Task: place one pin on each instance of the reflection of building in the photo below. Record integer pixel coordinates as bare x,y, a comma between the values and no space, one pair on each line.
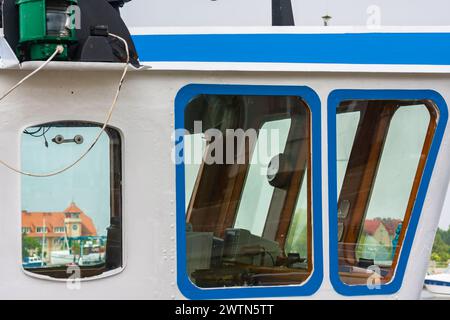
383,231
378,240
377,230
54,227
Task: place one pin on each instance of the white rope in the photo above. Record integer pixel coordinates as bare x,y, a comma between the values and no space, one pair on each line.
59,50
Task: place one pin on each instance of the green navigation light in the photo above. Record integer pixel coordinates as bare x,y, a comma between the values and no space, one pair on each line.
45,24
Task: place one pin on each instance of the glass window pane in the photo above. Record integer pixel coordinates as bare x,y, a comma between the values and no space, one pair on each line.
257,194
248,199
297,240
381,168
71,219
396,173
194,146
347,124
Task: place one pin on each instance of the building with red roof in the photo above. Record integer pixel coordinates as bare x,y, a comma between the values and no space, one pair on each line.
383,231
55,227
371,226
392,226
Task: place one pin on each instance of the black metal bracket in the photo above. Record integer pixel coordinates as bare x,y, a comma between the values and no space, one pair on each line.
282,13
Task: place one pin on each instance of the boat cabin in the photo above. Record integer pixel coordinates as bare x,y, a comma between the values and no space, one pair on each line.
289,162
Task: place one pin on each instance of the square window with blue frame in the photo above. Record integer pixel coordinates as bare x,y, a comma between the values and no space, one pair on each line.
245,191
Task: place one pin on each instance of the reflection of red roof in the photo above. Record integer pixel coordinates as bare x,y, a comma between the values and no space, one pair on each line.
88,226
391,226
53,220
371,226
73,209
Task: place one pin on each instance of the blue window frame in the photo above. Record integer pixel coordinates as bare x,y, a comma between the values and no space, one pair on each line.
191,291
334,101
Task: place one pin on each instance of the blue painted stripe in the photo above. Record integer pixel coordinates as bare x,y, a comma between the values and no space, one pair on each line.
350,48
437,283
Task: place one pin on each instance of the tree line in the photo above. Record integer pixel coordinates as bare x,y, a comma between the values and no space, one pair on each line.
441,247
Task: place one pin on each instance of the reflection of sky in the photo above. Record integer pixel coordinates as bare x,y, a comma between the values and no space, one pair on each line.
87,184
257,194
394,180
399,163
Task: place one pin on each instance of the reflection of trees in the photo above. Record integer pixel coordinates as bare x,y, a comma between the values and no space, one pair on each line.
297,241
76,248
30,246
369,248
380,245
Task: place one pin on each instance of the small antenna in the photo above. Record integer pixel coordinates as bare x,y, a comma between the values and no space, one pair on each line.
326,19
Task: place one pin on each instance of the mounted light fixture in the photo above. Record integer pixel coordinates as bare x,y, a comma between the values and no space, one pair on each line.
45,24
34,29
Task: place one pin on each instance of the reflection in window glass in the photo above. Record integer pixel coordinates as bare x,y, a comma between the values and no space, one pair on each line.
348,124
194,146
254,204
396,173
383,168
255,192
73,218
297,240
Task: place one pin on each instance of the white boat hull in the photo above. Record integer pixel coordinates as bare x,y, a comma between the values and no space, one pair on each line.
438,284
61,258
439,289
92,259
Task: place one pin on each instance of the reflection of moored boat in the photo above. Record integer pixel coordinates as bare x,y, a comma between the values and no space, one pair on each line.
439,283
62,257
92,255
32,262
92,259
